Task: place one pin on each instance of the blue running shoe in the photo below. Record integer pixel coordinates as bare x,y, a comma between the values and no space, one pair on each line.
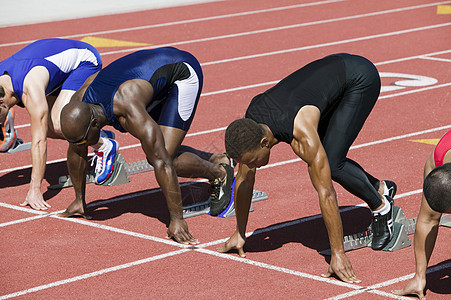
107,134
105,160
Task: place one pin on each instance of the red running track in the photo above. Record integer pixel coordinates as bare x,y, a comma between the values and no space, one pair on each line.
244,47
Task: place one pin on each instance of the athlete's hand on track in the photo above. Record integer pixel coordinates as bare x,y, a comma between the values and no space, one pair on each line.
341,266
234,242
178,230
415,286
35,200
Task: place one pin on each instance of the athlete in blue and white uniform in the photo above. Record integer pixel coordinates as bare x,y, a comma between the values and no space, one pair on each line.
153,95
42,77
68,63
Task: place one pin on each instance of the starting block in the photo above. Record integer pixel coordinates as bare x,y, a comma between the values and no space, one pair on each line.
120,174
19,146
204,207
403,227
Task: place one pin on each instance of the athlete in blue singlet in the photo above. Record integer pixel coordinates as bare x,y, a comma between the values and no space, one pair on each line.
42,77
152,94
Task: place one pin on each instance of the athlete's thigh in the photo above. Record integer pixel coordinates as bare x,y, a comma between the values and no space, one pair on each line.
347,120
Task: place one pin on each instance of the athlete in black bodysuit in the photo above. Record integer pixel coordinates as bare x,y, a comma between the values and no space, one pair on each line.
318,110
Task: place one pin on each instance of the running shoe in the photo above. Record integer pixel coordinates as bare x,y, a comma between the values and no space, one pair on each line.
105,160
383,227
390,188
107,134
221,191
8,135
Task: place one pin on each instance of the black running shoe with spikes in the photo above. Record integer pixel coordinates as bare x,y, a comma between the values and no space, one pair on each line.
221,191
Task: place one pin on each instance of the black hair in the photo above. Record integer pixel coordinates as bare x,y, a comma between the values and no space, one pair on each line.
2,92
241,136
437,188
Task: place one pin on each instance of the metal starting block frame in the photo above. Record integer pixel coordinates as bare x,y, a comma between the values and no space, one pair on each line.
120,174
403,227
204,207
19,146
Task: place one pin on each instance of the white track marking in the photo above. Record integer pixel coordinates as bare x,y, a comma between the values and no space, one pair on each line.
279,269
201,248
93,274
436,59
372,288
428,55
328,44
240,14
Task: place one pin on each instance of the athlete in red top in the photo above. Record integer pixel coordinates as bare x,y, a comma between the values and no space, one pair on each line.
431,210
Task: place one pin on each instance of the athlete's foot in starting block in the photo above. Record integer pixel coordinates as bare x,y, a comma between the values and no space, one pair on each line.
75,209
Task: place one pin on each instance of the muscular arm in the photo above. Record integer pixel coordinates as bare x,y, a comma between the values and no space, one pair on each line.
130,108
244,185
36,104
307,145
426,230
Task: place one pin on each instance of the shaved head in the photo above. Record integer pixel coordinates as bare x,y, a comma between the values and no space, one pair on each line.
75,118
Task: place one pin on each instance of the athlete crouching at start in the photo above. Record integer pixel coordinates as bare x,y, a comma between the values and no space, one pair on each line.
42,77
319,110
153,95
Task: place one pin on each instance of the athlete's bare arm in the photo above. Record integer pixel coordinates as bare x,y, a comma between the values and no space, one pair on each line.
244,186
426,231
130,107
36,104
307,145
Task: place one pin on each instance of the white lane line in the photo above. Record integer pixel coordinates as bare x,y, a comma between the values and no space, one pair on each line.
239,14
272,29
278,269
81,221
229,90
372,288
416,90
399,137
283,162
340,42
436,59
166,241
22,220
123,231
412,57
93,274
199,248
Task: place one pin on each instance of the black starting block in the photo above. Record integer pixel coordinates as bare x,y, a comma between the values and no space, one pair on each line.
403,227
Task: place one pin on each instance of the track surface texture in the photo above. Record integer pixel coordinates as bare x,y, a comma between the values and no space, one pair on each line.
244,47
